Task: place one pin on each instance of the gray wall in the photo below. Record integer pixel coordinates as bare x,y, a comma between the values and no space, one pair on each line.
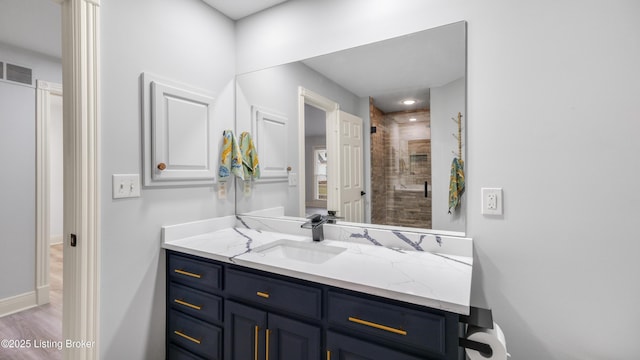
277,89
552,118
18,158
185,41
446,101
17,189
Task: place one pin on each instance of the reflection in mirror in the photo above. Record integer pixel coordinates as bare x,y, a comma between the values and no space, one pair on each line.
368,132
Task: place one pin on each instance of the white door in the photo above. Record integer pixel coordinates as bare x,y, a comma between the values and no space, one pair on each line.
350,164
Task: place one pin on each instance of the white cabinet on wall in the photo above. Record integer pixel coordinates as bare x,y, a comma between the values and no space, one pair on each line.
178,134
270,131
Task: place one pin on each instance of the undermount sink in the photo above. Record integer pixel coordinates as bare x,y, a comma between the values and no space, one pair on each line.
314,253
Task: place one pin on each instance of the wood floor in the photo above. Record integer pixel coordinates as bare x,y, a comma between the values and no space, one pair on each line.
40,326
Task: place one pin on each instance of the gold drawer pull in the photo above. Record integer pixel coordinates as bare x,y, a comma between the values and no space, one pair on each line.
263,294
182,272
180,333
255,347
377,326
328,355
267,346
178,301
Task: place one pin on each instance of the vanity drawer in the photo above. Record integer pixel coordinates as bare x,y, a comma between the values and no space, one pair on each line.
200,274
195,335
419,329
196,303
293,298
177,353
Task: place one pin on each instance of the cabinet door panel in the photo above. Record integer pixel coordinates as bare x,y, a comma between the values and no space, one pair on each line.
348,348
244,332
293,340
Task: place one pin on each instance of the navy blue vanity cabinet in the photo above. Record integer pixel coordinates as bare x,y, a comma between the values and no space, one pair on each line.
251,333
268,324
423,331
343,347
225,311
194,308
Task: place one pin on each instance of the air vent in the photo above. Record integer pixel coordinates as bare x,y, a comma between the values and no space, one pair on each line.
19,74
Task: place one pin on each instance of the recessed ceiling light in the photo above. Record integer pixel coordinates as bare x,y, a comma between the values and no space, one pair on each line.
408,102
413,119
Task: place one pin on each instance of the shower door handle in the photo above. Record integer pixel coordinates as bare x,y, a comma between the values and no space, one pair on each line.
426,189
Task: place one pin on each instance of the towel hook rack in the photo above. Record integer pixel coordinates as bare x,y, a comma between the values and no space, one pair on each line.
459,136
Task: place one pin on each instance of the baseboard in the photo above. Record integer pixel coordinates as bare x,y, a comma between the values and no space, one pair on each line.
42,295
17,303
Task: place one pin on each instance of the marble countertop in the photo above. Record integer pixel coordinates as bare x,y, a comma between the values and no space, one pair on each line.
436,280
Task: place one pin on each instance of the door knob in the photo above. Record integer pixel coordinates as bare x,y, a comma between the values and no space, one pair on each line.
162,166
362,193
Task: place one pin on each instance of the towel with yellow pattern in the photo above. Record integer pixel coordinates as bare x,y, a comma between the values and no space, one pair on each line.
456,183
230,157
250,162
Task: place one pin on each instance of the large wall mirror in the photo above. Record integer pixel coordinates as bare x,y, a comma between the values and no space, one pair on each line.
369,132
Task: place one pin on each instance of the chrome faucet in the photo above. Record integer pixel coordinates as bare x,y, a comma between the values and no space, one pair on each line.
315,224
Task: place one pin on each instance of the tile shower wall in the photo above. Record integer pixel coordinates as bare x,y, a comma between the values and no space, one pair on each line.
401,164
378,168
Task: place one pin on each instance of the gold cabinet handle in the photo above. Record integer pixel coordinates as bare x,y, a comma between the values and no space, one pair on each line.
328,355
182,272
162,166
184,303
377,326
180,333
263,294
255,347
267,346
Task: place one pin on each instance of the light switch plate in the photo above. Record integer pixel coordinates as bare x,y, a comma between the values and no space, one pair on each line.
491,201
126,186
293,179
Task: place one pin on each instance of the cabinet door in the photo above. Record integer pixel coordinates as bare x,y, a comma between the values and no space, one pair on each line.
292,340
341,347
245,329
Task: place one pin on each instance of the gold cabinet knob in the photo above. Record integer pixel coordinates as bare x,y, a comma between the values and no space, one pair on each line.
162,166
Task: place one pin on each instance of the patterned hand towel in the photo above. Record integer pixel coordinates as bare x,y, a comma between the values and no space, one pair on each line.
456,183
230,157
250,162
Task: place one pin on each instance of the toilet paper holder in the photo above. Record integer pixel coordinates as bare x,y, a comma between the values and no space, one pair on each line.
477,318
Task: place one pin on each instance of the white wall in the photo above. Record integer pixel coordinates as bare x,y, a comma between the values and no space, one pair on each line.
276,89
552,118
18,158
17,189
188,42
45,67
446,101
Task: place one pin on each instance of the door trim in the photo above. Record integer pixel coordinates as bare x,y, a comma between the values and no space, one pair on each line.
81,129
44,91
331,109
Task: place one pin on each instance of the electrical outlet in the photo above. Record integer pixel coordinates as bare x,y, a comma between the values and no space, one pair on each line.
491,201
126,186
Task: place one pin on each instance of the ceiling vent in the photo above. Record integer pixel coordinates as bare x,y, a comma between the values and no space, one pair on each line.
19,74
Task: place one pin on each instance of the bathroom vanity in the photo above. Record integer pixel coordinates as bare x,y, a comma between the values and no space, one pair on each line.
235,291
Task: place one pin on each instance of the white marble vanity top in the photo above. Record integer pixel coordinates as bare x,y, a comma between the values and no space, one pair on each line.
428,278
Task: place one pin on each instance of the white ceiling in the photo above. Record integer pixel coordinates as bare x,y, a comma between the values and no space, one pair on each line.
32,24
399,68
237,9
